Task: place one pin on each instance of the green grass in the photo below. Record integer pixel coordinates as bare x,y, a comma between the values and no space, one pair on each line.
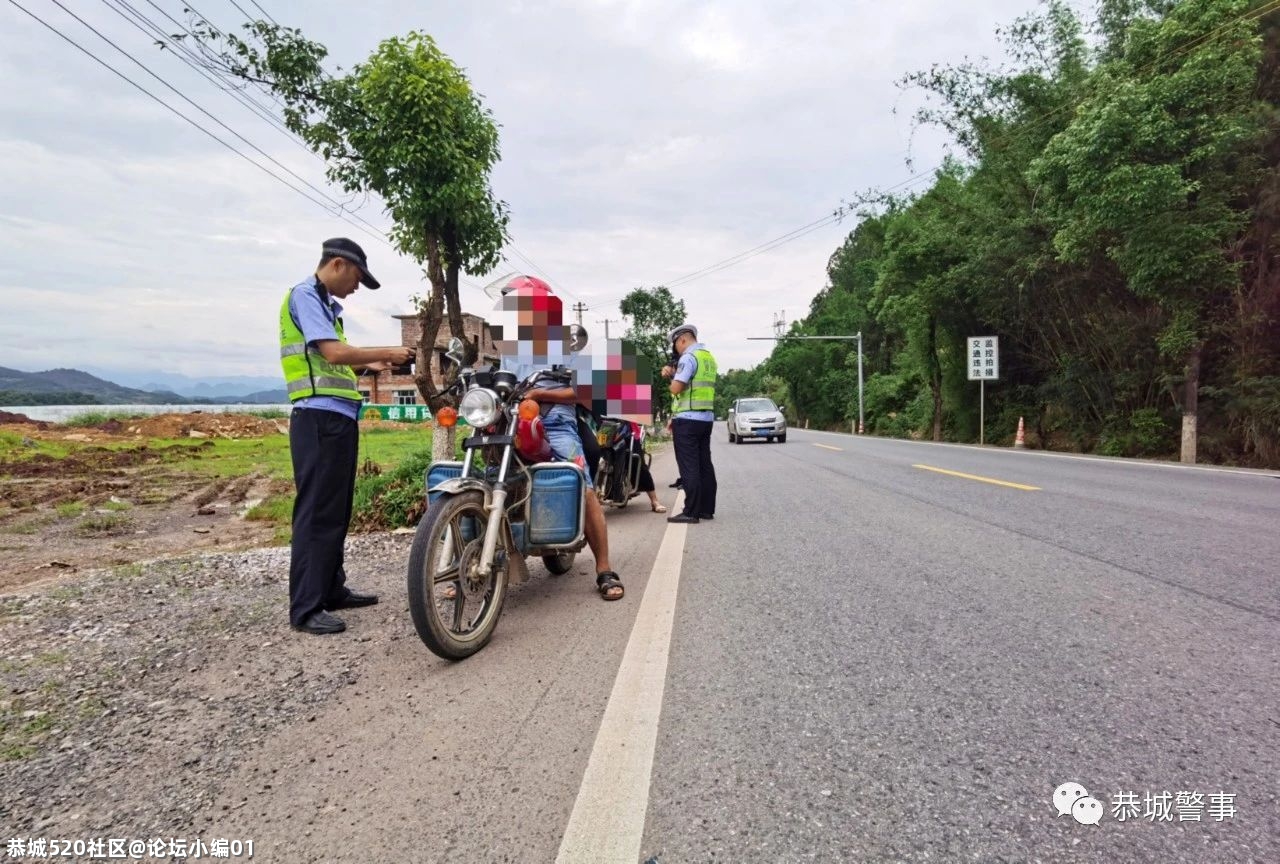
28,526
92,708
70,509
270,456
15,752
17,732
277,508
93,418
383,498
13,450
128,571
104,524
67,592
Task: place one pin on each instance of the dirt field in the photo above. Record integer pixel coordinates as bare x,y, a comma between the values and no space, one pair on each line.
114,494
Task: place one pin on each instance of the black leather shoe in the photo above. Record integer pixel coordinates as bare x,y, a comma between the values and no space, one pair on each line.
321,623
682,519
353,601
675,485
706,516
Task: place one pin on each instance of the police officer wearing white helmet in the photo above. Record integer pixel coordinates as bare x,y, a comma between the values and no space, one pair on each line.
693,391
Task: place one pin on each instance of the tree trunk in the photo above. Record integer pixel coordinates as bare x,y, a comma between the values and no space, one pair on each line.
430,314
453,306
935,379
1190,405
443,442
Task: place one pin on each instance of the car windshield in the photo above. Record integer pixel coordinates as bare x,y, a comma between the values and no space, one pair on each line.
753,406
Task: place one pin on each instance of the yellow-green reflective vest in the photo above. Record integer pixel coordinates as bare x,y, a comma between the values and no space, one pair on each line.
700,395
306,372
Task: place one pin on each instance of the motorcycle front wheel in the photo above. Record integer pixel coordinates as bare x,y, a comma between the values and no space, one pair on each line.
455,607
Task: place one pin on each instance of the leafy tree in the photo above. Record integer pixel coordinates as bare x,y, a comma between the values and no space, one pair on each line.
1154,167
404,125
1111,214
736,384
653,313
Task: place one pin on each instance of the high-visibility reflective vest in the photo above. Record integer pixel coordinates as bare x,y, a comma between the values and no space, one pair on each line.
306,372
700,395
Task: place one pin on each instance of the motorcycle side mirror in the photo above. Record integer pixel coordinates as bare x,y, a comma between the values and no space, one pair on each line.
455,350
577,337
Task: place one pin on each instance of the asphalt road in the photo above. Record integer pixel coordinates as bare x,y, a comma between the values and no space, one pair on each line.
873,661
860,659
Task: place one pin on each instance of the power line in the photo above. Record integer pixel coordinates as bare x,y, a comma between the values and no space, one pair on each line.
539,270
341,213
246,15
182,116
143,23
265,12
190,7
211,116
523,257
843,210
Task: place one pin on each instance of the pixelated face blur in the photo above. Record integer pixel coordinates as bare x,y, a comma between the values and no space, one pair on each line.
616,381
532,327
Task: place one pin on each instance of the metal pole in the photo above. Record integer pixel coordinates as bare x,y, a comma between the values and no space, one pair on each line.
860,426
982,410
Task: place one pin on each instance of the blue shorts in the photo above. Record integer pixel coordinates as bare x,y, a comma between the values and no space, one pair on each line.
566,445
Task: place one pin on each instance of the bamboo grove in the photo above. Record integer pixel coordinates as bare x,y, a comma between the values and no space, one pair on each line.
1109,211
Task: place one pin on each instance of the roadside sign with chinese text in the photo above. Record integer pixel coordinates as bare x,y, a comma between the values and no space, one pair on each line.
401,413
984,358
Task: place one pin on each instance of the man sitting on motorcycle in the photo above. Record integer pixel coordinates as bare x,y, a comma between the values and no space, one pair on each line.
543,341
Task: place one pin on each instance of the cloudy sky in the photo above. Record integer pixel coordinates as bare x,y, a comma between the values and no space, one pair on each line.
642,141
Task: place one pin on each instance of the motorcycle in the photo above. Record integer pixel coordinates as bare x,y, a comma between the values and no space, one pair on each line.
622,459
506,501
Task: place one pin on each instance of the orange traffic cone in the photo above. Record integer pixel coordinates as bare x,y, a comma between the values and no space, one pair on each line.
1020,443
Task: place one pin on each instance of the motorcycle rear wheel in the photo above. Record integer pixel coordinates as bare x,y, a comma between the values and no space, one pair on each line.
446,552
560,564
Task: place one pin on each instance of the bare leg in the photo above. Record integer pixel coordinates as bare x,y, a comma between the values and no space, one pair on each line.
597,533
610,586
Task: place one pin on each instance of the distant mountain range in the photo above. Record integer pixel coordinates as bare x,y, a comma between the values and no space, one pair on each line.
72,386
228,386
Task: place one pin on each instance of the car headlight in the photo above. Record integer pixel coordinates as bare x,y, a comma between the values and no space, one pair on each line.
479,407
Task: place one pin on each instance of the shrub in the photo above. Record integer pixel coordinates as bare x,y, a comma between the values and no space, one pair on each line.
392,499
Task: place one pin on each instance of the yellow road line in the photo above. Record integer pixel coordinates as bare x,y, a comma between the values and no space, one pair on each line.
829,447
979,479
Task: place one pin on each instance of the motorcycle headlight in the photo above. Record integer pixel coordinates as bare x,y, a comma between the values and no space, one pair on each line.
479,407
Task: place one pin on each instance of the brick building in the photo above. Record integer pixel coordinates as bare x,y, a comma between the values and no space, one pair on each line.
386,388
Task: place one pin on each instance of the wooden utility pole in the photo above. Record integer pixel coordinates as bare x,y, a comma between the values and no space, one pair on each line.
606,322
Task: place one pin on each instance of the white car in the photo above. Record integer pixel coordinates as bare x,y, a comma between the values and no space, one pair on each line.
756,417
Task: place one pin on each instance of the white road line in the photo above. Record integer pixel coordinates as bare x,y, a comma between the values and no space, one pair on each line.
1053,454
607,823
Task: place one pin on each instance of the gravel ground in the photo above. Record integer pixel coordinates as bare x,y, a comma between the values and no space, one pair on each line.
130,694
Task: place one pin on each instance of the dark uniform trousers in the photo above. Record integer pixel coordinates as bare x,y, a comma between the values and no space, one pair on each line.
693,455
324,446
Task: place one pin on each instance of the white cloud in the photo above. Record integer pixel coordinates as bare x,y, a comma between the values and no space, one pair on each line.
641,141
711,40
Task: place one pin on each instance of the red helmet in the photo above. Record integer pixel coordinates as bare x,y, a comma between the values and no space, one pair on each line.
527,285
